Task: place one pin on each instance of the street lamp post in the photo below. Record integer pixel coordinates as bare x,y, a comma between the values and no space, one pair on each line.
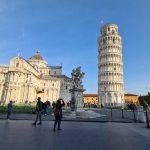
105,94
29,82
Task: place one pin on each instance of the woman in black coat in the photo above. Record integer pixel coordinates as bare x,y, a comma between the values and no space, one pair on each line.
58,113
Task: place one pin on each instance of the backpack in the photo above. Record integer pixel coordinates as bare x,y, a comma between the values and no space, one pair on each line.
43,106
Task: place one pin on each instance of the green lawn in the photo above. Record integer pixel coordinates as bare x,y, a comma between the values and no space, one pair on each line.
27,109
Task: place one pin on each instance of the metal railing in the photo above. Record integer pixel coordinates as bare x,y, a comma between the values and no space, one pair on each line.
127,114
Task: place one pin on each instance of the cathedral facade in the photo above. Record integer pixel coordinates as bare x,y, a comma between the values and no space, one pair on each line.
22,81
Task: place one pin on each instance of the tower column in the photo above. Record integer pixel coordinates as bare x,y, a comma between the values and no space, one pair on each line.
110,70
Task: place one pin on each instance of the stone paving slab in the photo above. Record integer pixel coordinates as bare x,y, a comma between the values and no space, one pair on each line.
21,135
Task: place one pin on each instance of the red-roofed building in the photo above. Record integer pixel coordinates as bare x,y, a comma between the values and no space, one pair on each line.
131,98
90,99
93,98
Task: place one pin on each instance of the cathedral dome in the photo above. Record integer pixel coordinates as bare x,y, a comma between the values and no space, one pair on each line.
37,56
37,60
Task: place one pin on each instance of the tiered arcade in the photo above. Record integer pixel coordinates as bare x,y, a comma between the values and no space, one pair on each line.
110,66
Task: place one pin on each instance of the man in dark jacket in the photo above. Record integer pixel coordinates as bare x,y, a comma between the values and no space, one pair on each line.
9,109
39,111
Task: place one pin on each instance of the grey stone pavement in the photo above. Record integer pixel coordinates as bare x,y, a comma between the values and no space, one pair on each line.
21,135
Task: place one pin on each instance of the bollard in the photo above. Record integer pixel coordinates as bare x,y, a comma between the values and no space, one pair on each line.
147,119
134,115
111,111
122,113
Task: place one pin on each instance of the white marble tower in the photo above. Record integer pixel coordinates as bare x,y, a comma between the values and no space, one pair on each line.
110,67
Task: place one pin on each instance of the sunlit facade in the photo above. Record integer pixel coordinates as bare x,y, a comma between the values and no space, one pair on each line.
22,81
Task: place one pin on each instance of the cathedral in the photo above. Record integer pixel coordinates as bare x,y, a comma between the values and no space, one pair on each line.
22,81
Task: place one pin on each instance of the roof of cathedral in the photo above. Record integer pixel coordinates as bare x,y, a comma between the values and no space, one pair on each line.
90,95
27,62
130,94
55,67
37,56
62,76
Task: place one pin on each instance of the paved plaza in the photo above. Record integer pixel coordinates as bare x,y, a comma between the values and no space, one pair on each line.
21,135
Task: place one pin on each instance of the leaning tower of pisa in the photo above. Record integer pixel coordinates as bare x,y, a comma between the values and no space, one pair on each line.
110,67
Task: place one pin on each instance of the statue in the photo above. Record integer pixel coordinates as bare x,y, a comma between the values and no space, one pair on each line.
77,89
77,77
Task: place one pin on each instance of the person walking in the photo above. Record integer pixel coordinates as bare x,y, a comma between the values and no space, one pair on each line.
58,114
9,109
39,111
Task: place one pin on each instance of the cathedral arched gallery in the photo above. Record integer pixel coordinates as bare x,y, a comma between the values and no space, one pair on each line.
22,81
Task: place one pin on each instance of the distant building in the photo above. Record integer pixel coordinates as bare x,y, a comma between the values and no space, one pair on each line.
93,98
23,81
131,98
90,99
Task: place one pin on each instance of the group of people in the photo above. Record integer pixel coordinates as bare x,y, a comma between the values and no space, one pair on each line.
131,106
57,108
40,107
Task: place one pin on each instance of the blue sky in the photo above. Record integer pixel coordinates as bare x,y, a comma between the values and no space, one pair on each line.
66,31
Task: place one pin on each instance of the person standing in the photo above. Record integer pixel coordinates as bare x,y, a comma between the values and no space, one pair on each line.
9,109
53,105
39,111
58,114
48,104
